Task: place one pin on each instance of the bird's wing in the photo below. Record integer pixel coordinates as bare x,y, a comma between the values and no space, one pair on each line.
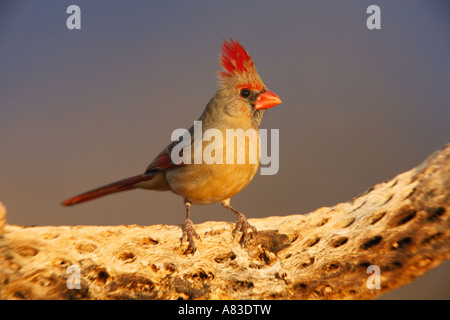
163,160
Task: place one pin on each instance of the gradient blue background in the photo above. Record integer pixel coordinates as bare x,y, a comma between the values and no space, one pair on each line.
81,108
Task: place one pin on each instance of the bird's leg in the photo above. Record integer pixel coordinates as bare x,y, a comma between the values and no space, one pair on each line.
189,230
242,224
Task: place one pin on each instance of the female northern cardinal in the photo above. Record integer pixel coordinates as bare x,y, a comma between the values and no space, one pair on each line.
239,103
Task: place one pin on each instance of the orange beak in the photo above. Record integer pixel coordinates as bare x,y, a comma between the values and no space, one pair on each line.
267,100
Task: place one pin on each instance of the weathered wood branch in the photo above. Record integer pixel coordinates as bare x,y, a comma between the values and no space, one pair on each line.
401,226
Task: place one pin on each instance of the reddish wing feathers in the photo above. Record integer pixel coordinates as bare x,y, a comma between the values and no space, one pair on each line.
234,59
161,162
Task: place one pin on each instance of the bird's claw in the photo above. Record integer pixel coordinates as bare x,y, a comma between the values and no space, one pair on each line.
242,225
189,232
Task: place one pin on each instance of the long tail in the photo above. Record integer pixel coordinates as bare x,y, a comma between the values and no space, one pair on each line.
118,186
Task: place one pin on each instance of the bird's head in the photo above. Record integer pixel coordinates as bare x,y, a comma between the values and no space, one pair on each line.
241,85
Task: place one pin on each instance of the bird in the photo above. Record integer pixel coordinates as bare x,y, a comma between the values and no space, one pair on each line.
239,103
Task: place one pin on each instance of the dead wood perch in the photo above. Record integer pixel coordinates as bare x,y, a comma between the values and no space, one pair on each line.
401,225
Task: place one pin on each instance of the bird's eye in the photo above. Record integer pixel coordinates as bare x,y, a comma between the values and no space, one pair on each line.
245,93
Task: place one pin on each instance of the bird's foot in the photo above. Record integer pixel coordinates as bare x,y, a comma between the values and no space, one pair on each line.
190,233
242,225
